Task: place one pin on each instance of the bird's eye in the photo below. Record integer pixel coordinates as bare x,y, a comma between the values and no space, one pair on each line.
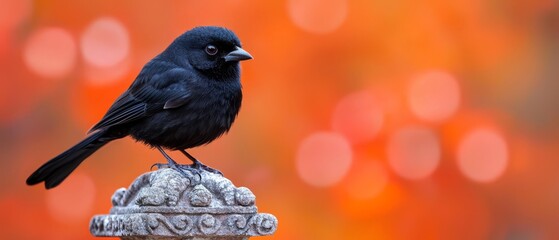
211,50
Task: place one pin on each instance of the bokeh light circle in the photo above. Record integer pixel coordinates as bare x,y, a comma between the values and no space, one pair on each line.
434,96
358,117
318,16
50,52
482,155
367,180
73,199
323,159
414,152
105,42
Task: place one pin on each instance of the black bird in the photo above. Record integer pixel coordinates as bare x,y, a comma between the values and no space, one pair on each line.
186,96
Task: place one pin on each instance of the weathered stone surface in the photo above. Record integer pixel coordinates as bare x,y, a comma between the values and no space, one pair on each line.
164,204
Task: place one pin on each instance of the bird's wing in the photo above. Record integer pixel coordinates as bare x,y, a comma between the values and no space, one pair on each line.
125,109
146,96
171,88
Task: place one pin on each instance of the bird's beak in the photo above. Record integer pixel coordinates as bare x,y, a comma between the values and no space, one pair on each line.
238,54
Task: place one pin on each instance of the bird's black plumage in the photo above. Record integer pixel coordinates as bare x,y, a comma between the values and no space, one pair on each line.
185,97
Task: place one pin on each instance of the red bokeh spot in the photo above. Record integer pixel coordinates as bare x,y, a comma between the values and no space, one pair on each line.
318,16
323,159
105,43
358,117
434,96
414,152
482,155
50,52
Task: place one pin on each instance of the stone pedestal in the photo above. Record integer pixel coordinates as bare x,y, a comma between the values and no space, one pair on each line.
164,204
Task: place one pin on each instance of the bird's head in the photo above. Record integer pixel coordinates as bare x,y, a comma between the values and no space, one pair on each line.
211,50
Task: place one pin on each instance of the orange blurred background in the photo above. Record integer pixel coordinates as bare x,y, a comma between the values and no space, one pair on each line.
361,119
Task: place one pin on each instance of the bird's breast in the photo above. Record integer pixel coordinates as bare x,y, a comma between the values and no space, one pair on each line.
200,121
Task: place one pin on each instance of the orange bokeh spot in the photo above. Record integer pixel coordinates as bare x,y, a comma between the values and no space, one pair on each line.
414,152
318,16
105,43
50,52
323,159
434,96
358,117
482,155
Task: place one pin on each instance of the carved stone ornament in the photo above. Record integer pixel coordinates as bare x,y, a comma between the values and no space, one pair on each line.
164,204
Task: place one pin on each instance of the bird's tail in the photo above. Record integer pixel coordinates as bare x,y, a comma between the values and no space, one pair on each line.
57,169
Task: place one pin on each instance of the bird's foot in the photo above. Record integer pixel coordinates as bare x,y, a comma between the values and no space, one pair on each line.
159,166
182,169
196,167
199,165
202,167
186,170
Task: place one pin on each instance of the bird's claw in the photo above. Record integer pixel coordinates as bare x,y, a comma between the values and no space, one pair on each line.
189,168
209,169
182,169
159,166
196,168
